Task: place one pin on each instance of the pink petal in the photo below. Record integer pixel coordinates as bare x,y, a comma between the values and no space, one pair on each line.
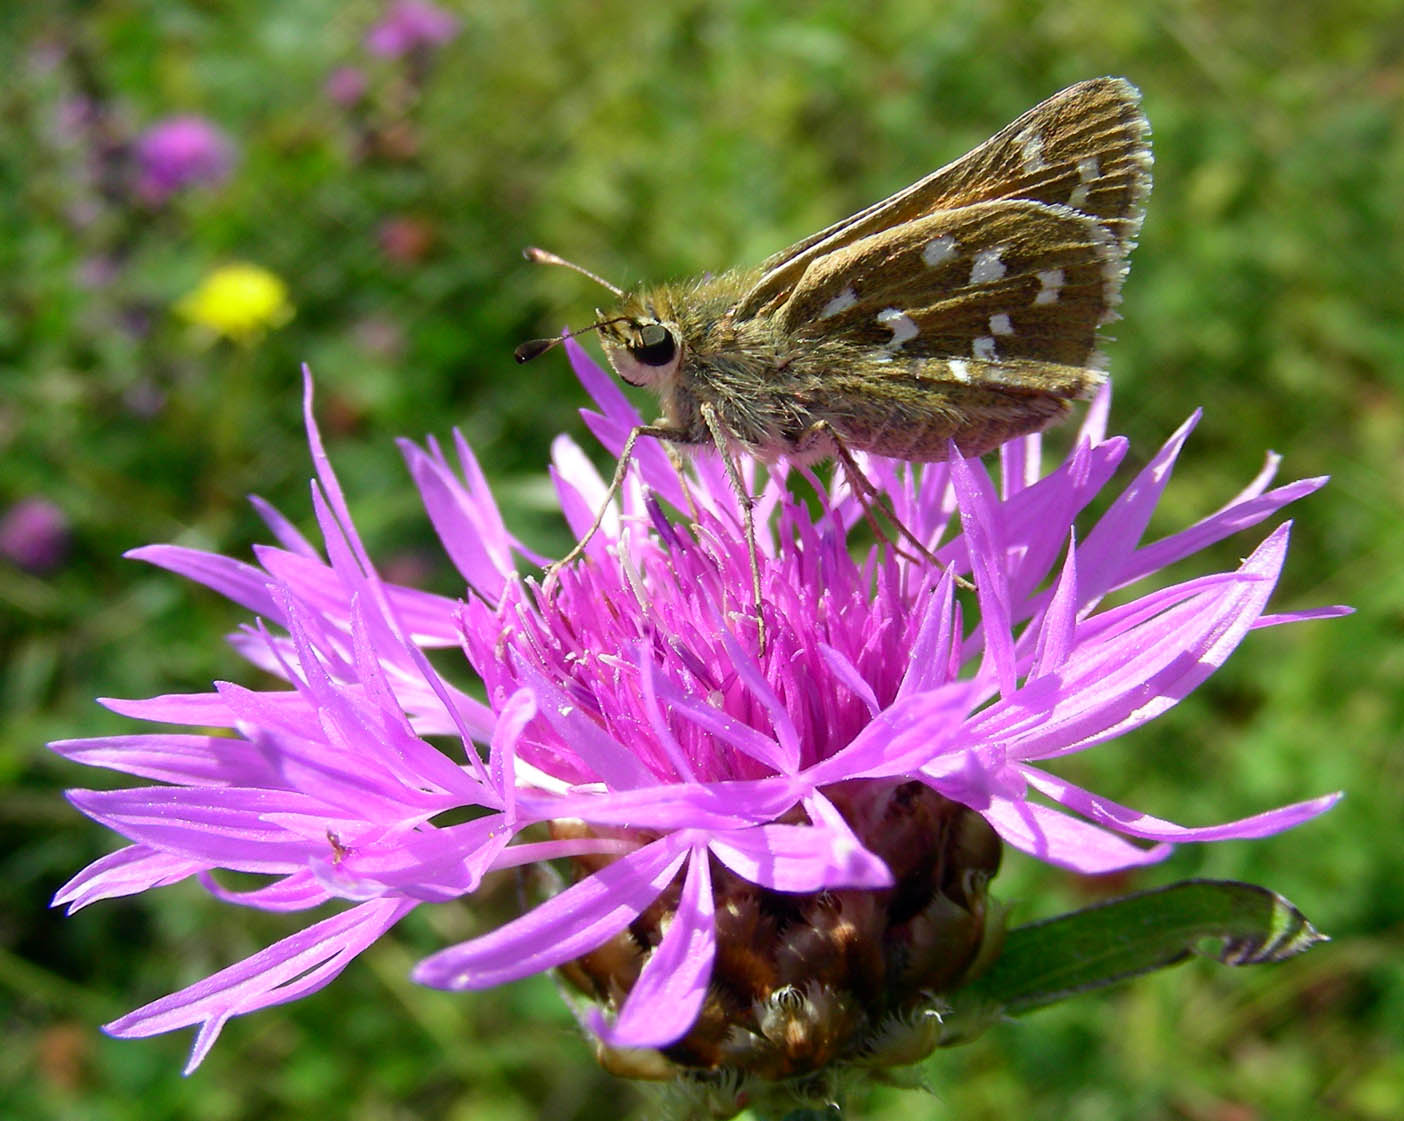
186,760
299,964
799,858
223,827
125,872
1105,812
242,583
1055,838
296,891
569,924
666,998
988,557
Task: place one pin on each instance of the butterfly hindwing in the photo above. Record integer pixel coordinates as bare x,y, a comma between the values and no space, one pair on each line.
999,280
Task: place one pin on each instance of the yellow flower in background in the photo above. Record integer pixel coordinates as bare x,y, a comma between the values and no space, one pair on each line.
238,301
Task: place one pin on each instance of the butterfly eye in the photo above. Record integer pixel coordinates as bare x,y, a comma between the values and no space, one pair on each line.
656,346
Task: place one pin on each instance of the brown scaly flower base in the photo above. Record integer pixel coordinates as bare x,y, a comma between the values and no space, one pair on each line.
802,983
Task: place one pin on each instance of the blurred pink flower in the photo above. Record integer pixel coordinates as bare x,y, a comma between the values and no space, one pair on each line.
181,152
410,25
34,534
346,85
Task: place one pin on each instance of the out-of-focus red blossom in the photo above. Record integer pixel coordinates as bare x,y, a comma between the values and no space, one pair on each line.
405,239
410,25
397,141
178,153
344,415
34,534
63,1055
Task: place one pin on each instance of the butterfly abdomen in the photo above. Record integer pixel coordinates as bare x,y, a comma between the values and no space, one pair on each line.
910,408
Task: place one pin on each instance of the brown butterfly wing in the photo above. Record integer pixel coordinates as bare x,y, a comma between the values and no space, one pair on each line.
1086,148
994,281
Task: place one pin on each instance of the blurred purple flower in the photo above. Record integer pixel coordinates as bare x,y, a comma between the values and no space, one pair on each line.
410,25
73,116
630,708
96,271
34,534
180,152
45,56
379,336
346,85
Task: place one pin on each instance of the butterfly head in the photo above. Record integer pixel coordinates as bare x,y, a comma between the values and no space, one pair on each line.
644,351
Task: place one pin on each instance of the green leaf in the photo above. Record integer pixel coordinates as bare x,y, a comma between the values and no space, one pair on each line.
1044,962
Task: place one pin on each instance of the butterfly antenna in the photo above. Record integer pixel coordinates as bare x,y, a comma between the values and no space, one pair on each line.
542,257
535,348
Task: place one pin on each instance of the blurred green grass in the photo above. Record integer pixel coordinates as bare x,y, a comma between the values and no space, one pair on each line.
654,142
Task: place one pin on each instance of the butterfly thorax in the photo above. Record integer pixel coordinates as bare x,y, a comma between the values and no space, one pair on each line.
685,343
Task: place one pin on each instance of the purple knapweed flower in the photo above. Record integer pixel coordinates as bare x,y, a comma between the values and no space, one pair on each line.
180,152
874,752
410,25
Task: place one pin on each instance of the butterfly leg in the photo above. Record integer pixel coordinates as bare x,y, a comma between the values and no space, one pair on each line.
670,448
748,516
626,455
870,498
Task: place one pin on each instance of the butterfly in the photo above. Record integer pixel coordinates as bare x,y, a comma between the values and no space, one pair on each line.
963,310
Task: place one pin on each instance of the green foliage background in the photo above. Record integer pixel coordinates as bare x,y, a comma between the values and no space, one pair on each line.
653,141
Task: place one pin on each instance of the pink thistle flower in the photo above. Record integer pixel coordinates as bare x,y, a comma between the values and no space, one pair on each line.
408,26
178,153
695,781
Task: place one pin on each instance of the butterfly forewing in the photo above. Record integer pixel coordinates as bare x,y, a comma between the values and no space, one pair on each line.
1086,148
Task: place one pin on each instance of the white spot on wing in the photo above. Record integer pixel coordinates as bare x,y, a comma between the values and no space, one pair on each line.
959,370
984,347
900,323
1051,281
939,250
1000,325
1000,375
1031,150
842,302
987,268
1088,169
